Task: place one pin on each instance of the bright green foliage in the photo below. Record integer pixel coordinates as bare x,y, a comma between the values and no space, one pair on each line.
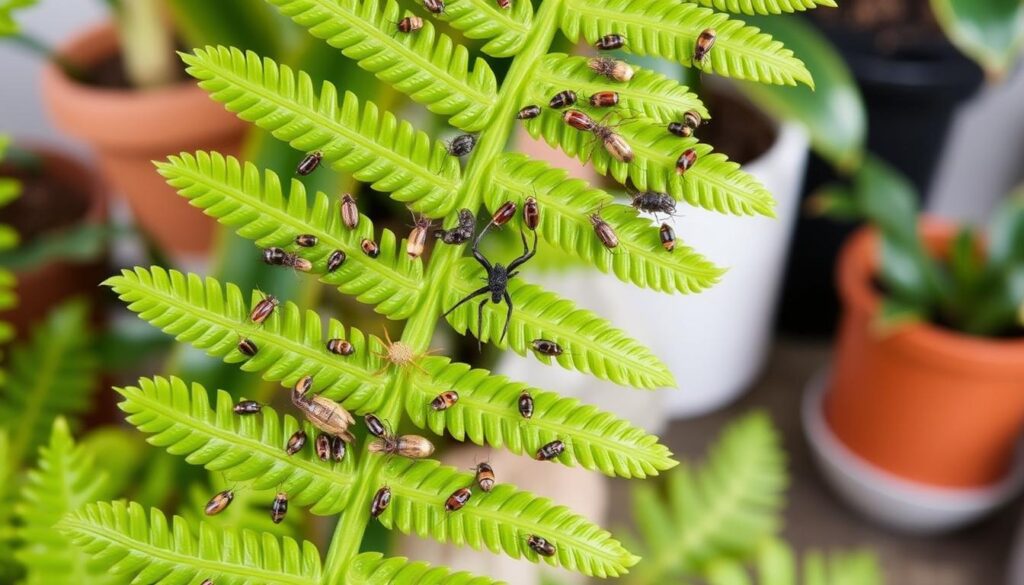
8,568
8,26
374,569
484,19
763,6
991,33
776,564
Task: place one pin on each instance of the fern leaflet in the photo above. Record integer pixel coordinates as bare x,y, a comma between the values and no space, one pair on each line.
776,564
484,19
375,569
763,6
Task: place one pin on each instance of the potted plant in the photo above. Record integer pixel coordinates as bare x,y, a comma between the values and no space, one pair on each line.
925,399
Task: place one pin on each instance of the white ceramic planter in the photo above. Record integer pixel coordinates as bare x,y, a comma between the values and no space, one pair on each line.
714,342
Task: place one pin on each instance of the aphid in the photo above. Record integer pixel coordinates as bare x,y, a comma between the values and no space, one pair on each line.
686,160
540,546
411,446
349,211
263,309
504,4
610,42
654,202
295,442
410,24
462,144
219,503
458,499
528,113
340,347
579,120
604,99
702,47
247,407
550,451
485,476
525,404
668,237
310,163
531,213
336,259
504,213
278,257
279,508
306,240
611,68
546,347
326,414
604,232
380,501
462,231
248,347
563,99
444,400
375,425
337,449
434,6
370,248
417,238
322,444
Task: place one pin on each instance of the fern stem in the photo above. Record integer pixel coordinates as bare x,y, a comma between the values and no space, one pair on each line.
419,330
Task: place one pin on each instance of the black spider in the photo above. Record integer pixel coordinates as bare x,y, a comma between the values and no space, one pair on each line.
497,280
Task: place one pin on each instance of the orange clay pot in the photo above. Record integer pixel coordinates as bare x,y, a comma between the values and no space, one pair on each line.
927,404
129,129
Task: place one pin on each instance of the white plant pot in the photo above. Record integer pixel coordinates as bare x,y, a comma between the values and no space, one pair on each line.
714,342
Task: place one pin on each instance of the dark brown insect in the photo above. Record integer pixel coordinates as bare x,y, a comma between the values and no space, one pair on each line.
485,476
310,163
531,213
610,42
611,68
263,309
375,425
614,144
686,128
370,248
654,202
295,442
337,449
434,6
546,347
247,407
326,414
686,160
462,144
680,129
279,508
219,503
335,260
702,47
604,232
504,213
668,237
692,119
528,113
458,499
550,451
463,230
604,99
444,400
349,211
504,4
306,240
411,446
410,24
525,404
563,99
340,347
248,347
278,257
417,238
579,120
322,444
380,501
540,546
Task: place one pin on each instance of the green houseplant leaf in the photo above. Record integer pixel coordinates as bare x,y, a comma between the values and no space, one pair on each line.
990,32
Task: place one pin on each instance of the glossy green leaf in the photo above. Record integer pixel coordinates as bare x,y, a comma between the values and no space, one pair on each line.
990,32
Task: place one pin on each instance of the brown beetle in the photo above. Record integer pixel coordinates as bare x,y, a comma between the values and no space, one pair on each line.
349,211
263,309
410,24
337,449
411,446
485,476
546,347
563,99
458,499
610,42
540,546
668,237
310,163
686,161
702,47
604,232
278,257
444,400
504,4
504,213
219,503
306,240
531,213
680,129
279,508
462,145
550,451
417,238
528,112
295,442
611,68
325,414
340,347
434,6
207,582
525,404
376,426
335,260
614,144
247,407
604,99
380,501
322,445
370,248
248,347
579,120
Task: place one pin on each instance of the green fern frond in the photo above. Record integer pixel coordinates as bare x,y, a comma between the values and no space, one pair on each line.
9,568
376,148
52,373
291,345
714,182
776,564
428,67
649,93
128,541
566,205
763,6
500,520
65,480
257,207
484,19
591,344
487,413
668,29
243,448
374,569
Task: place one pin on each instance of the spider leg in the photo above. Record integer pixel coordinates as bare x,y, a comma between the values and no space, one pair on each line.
480,324
476,250
508,316
468,297
527,253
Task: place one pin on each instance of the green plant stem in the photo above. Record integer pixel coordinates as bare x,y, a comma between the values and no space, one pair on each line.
419,330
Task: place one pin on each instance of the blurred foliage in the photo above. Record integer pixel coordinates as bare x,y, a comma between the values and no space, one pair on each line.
989,31
8,26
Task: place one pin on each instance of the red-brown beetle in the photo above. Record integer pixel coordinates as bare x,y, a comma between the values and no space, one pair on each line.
485,476
686,161
550,451
295,442
263,309
279,508
248,347
604,99
528,112
604,232
504,213
219,503
562,99
579,120
370,248
504,4
525,404
610,42
458,499
306,240
668,237
310,163
349,211
322,444
531,213
444,400
340,347
702,47
380,501
410,24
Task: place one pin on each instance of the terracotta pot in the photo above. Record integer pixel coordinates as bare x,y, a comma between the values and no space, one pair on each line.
129,129
924,403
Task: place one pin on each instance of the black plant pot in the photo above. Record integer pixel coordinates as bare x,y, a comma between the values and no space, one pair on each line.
910,96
